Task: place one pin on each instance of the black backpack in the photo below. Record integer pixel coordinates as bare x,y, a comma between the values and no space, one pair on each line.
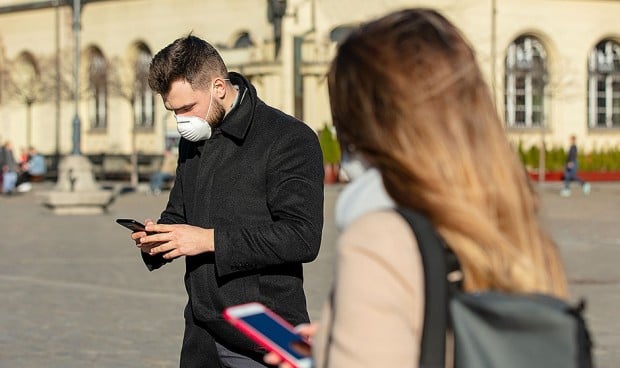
493,329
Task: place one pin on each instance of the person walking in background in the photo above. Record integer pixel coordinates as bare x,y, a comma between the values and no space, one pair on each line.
246,207
165,173
410,103
570,170
9,169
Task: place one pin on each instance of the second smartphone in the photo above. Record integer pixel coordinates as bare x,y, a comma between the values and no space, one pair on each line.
269,330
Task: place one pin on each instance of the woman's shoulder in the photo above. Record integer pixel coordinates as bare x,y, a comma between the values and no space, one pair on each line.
378,231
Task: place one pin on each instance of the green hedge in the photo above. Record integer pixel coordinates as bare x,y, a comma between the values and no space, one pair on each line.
329,146
555,157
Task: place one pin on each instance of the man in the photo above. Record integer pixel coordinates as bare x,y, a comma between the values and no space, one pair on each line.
9,169
570,171
34,170
165,173
246,208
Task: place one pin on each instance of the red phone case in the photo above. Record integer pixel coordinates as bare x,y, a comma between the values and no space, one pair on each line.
260,338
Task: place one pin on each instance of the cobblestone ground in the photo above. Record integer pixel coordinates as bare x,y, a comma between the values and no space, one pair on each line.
74,293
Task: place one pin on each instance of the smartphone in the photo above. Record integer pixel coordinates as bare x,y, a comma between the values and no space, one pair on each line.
131,224
269,330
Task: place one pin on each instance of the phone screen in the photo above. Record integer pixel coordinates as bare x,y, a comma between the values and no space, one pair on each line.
275,332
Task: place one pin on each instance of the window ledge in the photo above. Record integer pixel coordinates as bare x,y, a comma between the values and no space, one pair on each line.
144,129
519,129
600,130
98,130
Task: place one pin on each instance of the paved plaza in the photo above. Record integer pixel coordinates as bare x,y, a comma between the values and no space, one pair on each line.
74,292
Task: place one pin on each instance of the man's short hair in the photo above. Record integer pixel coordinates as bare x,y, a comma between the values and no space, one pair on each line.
189,58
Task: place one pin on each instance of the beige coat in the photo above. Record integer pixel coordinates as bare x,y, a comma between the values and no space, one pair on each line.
375,317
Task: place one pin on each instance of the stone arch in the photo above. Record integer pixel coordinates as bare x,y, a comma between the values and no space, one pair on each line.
603,89
97,69
140,57
526,78
25,78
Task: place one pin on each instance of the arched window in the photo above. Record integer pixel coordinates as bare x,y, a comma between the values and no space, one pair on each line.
25,86
98,89
25,78
526,79
144,99
604,85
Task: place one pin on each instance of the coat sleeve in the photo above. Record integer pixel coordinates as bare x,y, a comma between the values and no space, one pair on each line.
378,296
173,214
294,175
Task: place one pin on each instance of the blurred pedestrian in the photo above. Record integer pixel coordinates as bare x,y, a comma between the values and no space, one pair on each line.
165,173
9,169
570,170
23,159
33,170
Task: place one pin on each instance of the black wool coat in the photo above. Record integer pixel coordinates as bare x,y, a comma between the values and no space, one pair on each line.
258,182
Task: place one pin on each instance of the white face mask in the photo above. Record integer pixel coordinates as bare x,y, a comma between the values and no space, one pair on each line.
353,166
194,128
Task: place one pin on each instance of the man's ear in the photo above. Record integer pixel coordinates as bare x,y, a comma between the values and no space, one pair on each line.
219,86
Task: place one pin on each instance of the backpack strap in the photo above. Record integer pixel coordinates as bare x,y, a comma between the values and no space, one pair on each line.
433,349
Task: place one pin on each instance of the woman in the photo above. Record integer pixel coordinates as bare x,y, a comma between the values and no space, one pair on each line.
409,100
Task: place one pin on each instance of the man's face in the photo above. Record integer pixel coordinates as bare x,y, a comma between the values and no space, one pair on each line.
183,100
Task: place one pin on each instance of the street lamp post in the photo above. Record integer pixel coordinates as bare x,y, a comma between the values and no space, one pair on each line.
77,7
76,191
57,81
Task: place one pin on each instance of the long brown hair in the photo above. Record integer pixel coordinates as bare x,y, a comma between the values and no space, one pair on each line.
407,93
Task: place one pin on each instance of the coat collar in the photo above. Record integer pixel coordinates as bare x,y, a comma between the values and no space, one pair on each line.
238,121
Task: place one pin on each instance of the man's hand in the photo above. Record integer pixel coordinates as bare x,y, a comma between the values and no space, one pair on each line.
174,240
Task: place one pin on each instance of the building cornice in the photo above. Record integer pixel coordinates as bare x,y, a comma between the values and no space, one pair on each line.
38,5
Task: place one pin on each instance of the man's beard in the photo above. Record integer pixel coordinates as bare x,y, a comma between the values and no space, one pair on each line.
217,115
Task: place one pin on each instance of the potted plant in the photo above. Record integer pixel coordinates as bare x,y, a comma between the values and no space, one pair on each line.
331,154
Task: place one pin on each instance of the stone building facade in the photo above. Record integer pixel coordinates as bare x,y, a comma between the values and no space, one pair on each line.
553,65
